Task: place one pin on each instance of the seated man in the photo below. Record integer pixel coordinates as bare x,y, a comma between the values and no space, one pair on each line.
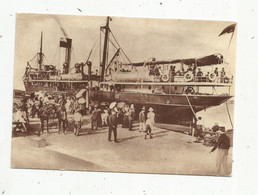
20,118
215,128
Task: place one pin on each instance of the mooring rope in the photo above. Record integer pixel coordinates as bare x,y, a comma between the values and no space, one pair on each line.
191,106
229,115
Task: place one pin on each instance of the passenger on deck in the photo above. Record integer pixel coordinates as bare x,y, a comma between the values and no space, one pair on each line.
207,77
152,72
216,71
172,73
199,75
157,71
222,75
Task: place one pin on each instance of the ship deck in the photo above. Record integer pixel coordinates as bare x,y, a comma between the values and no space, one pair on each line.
206,84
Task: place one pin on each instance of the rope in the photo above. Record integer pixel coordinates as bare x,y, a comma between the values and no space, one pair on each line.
229,115
54,55
33,57
110,40
91,50
191,106
120,47
46,58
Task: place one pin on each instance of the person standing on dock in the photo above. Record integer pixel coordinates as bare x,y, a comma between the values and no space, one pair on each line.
223,145
94,119
148,127
199,129
112,122
151,116
62,120
142,120
77,119
131,117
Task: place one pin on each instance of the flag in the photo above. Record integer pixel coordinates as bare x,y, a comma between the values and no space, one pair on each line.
229,29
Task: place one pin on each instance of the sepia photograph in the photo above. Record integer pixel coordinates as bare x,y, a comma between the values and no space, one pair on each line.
123,94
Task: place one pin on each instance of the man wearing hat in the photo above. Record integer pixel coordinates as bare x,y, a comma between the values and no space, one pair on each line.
151,117
77,119
94,119
131,117
142,119
223,145
112,122
199,75
199,129
62,120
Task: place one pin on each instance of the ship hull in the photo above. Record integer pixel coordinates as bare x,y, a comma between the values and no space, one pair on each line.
169,108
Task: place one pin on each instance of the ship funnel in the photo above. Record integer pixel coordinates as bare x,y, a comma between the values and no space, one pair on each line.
67,44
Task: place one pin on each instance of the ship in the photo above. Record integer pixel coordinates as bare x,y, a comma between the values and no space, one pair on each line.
175,89
48,78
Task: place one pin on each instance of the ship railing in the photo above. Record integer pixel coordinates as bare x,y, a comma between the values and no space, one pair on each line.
211,78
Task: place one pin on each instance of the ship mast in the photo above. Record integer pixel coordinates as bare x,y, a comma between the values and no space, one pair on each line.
40,52
104,59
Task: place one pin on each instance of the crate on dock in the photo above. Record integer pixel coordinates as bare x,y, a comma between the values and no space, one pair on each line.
38,142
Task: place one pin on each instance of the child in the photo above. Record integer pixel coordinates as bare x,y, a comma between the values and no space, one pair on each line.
148,127
77,119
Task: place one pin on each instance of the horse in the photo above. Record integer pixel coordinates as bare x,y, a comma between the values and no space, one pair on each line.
48,111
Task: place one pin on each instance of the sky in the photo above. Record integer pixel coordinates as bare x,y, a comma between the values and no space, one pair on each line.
140,38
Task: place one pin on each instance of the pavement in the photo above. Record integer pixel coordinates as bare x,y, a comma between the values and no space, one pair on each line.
169,152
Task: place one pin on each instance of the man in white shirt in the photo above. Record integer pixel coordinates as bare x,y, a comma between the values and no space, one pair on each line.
77,118
199,128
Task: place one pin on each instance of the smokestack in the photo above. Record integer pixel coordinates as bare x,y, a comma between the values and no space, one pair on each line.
66,43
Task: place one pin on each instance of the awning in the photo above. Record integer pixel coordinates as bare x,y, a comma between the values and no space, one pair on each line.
203,61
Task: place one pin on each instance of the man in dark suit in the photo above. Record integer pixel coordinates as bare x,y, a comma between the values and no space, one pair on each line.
112,121
94,119
131,117
223,145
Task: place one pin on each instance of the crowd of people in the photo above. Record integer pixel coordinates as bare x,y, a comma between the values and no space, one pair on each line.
113,115
29,107
109,115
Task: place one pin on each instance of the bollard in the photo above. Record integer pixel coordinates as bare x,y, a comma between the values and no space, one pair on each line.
38,142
